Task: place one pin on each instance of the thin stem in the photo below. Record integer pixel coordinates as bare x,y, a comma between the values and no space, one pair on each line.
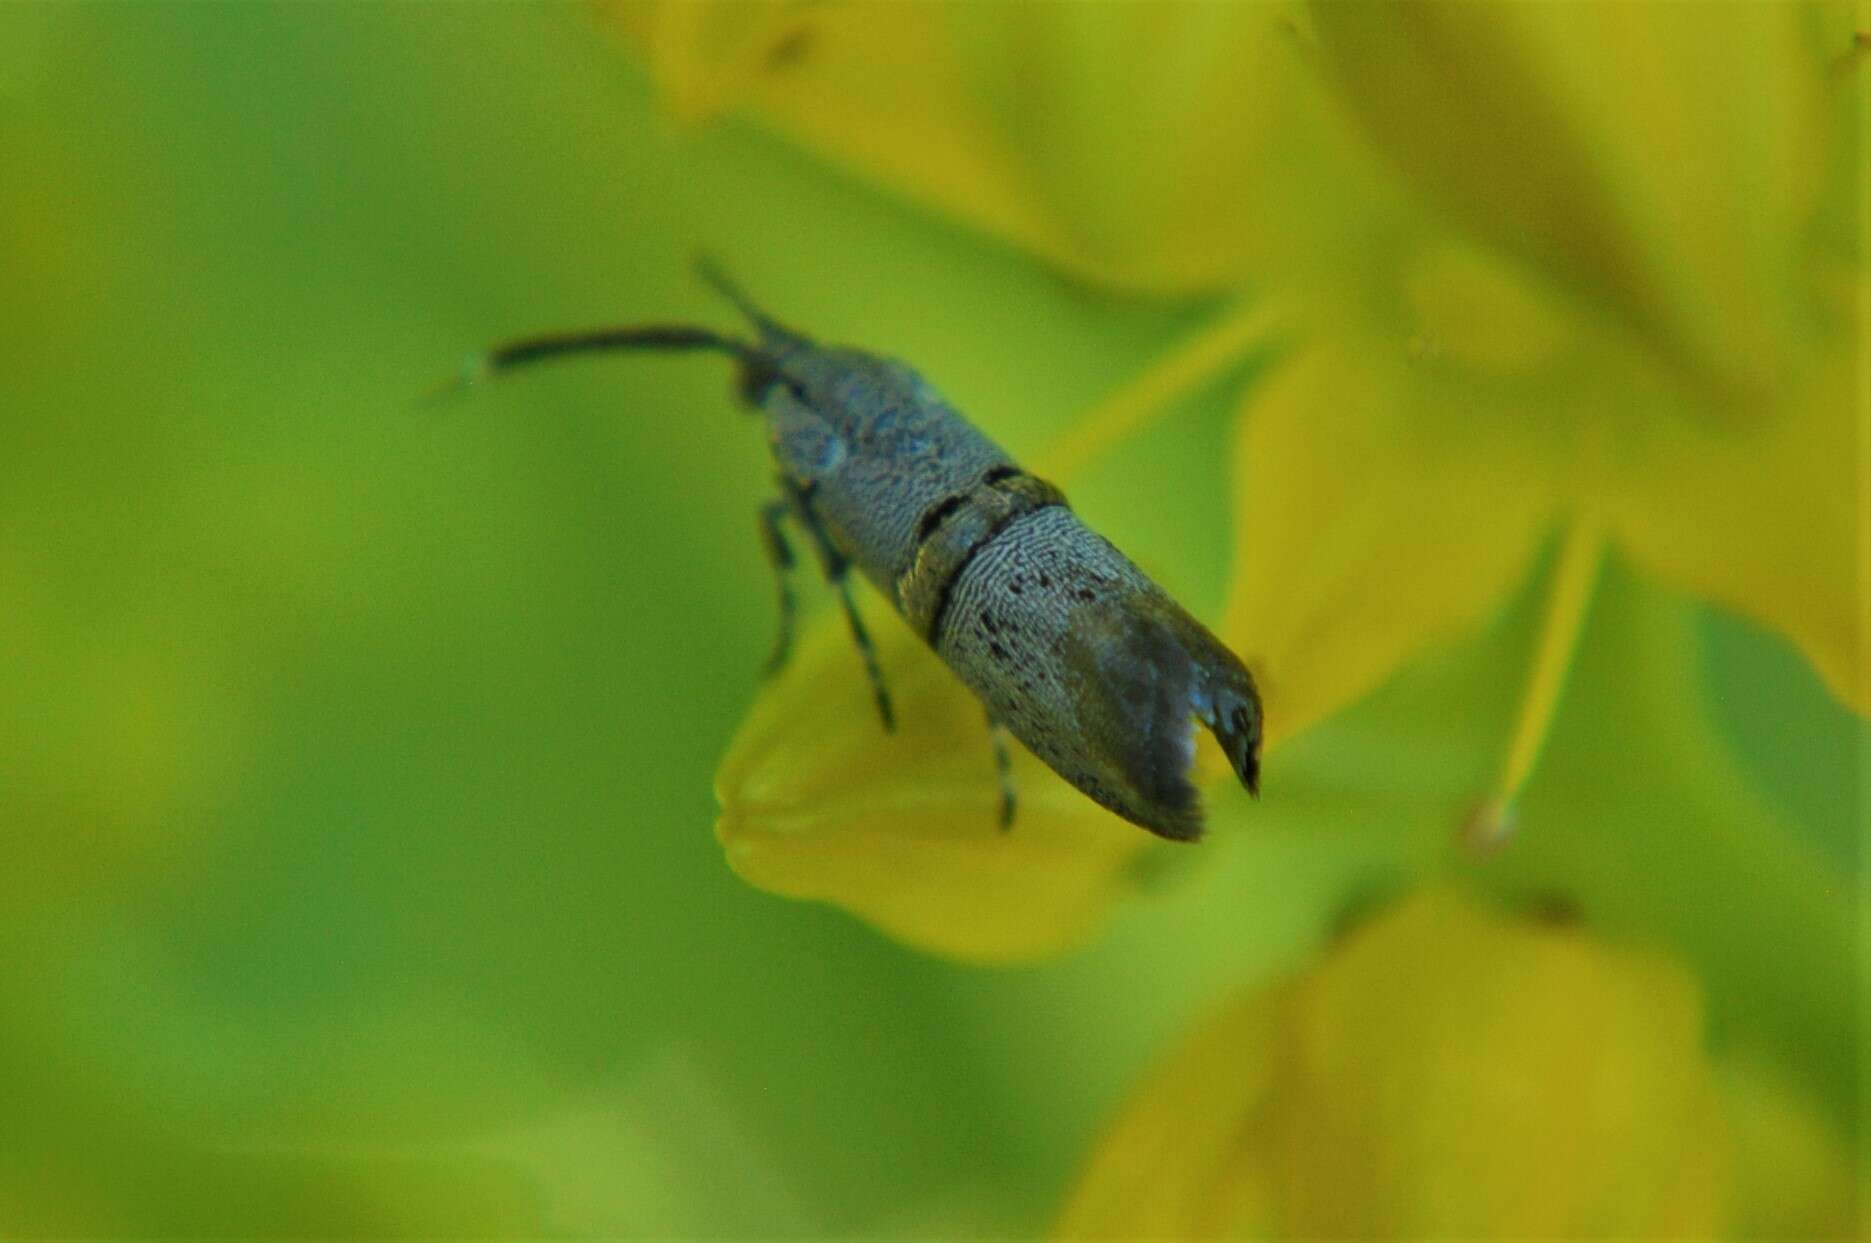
1574,579
1148,397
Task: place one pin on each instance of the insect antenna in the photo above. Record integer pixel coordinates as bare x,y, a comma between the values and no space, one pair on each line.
529,350
711,275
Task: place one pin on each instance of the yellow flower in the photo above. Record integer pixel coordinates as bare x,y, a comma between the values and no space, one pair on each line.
1448,1071
1623,314
1583,275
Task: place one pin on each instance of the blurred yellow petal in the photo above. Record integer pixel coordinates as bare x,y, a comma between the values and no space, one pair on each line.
1795,1177
901,829
1169,147
1160,148
1656,159
1762,518
876,87
1396,475
1523,1080
1371,525
702,57
1445,1071
1171,1166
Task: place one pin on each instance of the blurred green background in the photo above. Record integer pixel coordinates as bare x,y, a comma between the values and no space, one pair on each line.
355,755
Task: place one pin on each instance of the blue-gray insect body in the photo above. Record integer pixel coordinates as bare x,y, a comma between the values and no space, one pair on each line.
1069,645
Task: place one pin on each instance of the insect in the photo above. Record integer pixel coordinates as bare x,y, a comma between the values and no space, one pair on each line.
1067,644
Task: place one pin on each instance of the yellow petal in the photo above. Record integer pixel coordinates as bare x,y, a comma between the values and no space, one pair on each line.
1522,1080
817,801
1762,517
875,87
1445,1071
1795,1178
1373,523
1655,159
1173,1164
1167,147
704,57
1154,147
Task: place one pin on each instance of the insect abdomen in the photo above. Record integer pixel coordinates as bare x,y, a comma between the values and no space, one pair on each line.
1089,664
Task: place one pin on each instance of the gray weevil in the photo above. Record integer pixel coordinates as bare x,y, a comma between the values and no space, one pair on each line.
1067,644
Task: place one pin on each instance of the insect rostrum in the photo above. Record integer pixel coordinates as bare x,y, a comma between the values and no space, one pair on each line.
1068,645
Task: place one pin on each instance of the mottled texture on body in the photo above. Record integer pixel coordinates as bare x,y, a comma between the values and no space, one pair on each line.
955,531
877,445
1088,663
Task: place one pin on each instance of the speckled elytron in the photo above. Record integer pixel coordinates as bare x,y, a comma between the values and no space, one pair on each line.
1070,646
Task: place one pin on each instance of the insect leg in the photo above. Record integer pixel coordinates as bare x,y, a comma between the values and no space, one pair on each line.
869,654
838,574
780,555
770,329
1003,767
